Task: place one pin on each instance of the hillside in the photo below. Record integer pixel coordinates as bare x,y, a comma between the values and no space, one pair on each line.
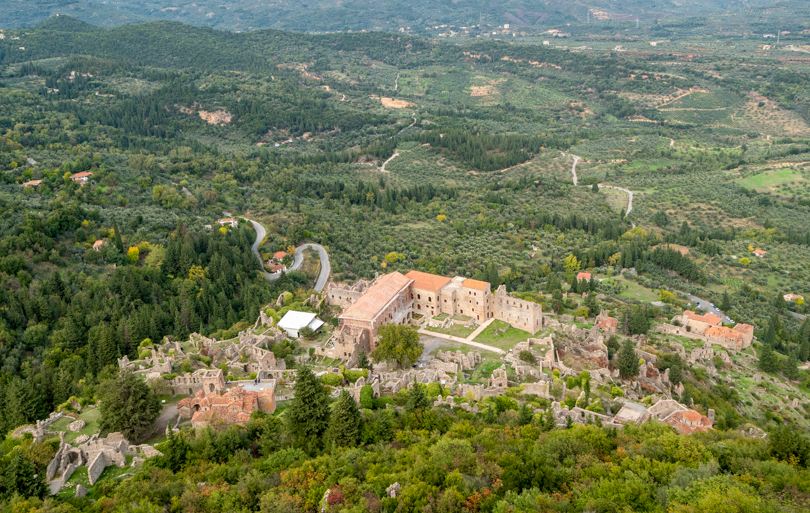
324,15
428,272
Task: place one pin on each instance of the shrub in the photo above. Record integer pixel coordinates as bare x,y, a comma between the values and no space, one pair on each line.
527,356
331,379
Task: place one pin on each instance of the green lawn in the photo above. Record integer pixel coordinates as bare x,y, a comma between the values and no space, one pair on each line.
633,289
495,335
457,330
772,178
90,417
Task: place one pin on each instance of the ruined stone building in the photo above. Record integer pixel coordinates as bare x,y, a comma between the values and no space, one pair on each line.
709,328
208,380
232,407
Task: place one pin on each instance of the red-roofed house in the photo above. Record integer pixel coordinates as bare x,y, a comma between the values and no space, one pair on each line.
97,245
688,422
747,332
584,275
760,253
230,221
81,178
699,323
279,255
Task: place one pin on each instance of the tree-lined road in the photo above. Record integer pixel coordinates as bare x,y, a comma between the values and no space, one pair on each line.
298,258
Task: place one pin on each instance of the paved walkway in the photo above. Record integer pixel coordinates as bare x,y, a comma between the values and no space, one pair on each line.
479,329
469,340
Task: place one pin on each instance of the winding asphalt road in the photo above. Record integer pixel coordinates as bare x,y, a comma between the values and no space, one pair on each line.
298,258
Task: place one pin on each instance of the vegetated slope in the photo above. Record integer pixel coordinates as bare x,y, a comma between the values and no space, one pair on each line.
324,15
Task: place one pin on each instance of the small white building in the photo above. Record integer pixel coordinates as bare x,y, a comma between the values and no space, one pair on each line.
293,322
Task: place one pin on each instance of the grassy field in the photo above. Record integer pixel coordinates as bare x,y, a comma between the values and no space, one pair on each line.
457,330
91,419
773,179
633,289
500,334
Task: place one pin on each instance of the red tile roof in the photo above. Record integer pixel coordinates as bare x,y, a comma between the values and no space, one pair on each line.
708,318
81,175
427,281
722,332
377,297
475,284
744,328
583,276
279,254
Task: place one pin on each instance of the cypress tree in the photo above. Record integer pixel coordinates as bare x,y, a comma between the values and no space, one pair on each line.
804,341
345,423
790,367
525,416
770,336
417,398
308,413
119,243
768,361
725,304
628,361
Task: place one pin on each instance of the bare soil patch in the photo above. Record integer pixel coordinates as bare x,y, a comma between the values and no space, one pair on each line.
391,103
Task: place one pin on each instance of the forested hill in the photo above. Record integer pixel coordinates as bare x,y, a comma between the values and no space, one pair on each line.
324,15
175,45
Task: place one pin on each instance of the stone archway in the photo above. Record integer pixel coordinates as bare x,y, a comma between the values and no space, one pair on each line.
211,388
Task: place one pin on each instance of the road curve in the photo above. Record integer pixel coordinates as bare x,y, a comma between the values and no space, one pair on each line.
629,193
298,257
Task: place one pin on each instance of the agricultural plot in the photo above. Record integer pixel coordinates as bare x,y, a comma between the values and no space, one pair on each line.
786,181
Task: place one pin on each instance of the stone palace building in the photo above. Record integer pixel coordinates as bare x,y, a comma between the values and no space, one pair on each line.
395,298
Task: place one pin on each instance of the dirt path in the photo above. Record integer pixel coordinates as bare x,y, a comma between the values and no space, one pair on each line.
671,142
392,157
413,115
169,414
396,82
574,168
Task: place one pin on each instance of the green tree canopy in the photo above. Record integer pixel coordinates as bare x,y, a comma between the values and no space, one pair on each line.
398,343
128,406
308,412
628,361
345,424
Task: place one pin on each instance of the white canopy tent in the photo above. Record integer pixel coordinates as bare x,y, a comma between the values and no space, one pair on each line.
293,322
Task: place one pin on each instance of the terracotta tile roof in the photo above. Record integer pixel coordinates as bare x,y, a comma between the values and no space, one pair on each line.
722,332
98,244
226,220
583,276
760,252
475,284
374,300
276,267
279,254
32,183
81,175
708,318
688,422
744,328
427,281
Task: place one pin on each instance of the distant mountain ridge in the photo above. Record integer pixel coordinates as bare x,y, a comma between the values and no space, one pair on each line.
331,15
